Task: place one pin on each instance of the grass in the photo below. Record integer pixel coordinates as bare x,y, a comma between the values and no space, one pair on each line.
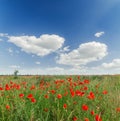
60,98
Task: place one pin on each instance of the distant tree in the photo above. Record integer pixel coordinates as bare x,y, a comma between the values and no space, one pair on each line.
16,74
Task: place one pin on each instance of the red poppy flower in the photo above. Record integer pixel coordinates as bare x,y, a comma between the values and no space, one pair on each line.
21,95
98,118
85,88
72,93
91,95
74,118
92,112
7,87
30,96
1,88
84,107
7,107
65,106
32,87
86,81
33,100
59,96
118,109
86,119
53,91
105,92
46,96
79,93
18,87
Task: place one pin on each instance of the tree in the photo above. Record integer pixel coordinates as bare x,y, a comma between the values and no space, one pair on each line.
16,74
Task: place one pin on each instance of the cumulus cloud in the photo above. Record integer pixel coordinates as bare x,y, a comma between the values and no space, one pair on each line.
115,64
85,53
41,46
98,34
14,66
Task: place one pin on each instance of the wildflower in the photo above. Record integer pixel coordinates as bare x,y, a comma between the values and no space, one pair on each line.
21,95
32,87
33,100
98,118
118,109
46,96
79,93
91,95
92,112
72,93
24,83
85,88
86,119
80,83
1,88
84,107
18,87
7,107
11,82
69,79
65,106
30,96
59,96
7,87
75,84
53,91
74,118
86,81
105,92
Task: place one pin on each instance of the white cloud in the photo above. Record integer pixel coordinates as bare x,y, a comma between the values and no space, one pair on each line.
65,49
41,46
3,34
115,64
37,62
87,52
98,34
14,66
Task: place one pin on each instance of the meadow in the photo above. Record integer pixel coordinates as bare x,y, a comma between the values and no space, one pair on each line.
60,98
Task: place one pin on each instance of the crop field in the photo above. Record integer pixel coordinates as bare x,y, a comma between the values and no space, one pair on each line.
60,98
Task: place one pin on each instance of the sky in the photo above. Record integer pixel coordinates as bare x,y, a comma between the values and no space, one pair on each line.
60,37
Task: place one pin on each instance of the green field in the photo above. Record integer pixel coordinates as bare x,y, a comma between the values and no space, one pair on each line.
60,98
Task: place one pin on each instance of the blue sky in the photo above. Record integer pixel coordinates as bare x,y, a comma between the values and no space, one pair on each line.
60,36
